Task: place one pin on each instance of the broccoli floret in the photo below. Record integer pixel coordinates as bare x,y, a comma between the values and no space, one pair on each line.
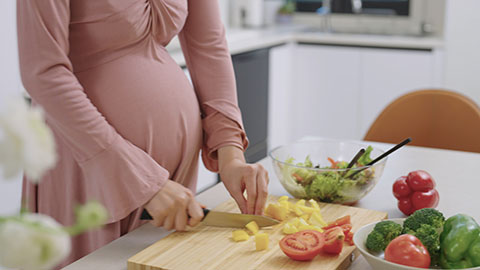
426,224
430,238
375,242
389,229
383,233
427,216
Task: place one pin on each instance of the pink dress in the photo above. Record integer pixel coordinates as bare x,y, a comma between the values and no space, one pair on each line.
124,115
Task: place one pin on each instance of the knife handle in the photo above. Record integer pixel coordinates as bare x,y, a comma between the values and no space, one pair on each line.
146,216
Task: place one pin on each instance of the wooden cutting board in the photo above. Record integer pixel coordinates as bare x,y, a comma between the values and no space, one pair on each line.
205,247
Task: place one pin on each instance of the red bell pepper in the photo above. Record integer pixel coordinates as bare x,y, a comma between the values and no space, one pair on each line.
415,191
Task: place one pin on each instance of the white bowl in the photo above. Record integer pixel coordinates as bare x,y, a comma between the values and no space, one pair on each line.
376,260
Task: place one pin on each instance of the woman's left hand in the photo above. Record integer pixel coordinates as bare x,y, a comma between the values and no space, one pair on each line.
238,176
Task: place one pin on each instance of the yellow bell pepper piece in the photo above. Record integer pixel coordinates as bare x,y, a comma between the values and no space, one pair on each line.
252,226
283,198
317,220
289,228
240,235
314,204
261,241
276,211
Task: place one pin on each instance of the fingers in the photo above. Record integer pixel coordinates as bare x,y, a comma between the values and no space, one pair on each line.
195,212
168,224
181,220
158,219
237,194
169,206
250,179
262,192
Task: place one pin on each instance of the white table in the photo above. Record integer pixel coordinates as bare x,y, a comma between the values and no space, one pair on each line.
458,181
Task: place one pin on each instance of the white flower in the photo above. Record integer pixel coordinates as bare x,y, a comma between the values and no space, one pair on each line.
32,242
26,143
91,215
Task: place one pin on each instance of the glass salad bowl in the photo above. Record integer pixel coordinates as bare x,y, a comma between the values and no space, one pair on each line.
318,170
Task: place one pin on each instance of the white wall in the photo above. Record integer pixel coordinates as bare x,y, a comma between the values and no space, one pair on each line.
462,38
9,85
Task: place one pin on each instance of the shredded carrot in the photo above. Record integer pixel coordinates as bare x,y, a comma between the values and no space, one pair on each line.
334,163
297,177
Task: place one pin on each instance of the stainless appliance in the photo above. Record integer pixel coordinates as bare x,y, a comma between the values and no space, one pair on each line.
247,13
393,17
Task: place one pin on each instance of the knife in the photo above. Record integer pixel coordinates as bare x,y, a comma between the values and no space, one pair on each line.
224,219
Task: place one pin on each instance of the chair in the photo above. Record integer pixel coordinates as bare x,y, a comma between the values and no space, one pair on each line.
432,118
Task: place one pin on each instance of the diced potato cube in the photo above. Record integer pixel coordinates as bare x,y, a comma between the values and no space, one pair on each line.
317,220
294,208
301,202
252,226
294,221
271,210
285,205
314,204
240,235
276,211
302,221
283,198
305,217
261,241
306,209
289,228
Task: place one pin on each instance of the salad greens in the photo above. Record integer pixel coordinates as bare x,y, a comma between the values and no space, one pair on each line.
331,185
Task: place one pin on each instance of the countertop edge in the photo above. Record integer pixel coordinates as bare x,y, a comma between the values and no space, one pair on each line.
265,38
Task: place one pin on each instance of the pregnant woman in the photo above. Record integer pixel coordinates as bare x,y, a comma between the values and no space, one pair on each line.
128,124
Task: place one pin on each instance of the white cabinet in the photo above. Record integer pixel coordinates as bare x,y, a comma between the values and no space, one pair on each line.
279,95
338,91
325,98
387,74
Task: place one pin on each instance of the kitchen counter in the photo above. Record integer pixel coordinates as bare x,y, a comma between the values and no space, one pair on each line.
455,173
244,40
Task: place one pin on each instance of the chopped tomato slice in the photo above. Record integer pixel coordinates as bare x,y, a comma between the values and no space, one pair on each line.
339,222
346,228
333,241
302,246
349,238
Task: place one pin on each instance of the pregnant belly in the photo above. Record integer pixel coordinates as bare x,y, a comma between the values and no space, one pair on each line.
149,102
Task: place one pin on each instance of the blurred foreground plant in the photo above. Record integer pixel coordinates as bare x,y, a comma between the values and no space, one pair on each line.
32,241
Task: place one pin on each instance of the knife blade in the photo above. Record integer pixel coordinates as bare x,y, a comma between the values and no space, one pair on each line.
224,219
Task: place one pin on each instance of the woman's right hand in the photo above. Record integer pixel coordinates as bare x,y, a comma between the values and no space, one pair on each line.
172,206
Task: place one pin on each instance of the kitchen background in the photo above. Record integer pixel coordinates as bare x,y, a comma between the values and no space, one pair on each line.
327,71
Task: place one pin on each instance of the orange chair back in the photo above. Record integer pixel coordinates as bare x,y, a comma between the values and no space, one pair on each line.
432,118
